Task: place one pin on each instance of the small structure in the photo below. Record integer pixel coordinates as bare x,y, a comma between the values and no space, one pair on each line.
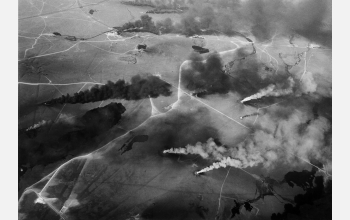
248,39
200,49
141,46
92,11
197,36
112,33
129,59
71,38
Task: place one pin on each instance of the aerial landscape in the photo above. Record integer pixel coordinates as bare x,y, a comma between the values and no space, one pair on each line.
174,109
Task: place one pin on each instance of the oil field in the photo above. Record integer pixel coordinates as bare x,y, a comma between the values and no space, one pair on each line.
175,109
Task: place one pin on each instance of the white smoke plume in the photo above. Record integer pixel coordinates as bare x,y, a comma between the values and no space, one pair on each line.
272,91
67,118
226,161
205,150
38,125
260,94
308,84
294,141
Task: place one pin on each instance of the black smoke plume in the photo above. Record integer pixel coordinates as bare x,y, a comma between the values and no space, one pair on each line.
54,142
207,77
265,18
310,19
144,24
101,119
138,88
318,199
236,209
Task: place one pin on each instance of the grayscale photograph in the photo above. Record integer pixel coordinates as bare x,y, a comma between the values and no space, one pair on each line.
174,109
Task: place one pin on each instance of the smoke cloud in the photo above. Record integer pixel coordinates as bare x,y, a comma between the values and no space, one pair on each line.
205,77
138,88
283,141
264,19
310,18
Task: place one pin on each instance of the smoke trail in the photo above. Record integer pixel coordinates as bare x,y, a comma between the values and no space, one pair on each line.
138,88
245,116
261,93
205,150
271,91
226,161
38,125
